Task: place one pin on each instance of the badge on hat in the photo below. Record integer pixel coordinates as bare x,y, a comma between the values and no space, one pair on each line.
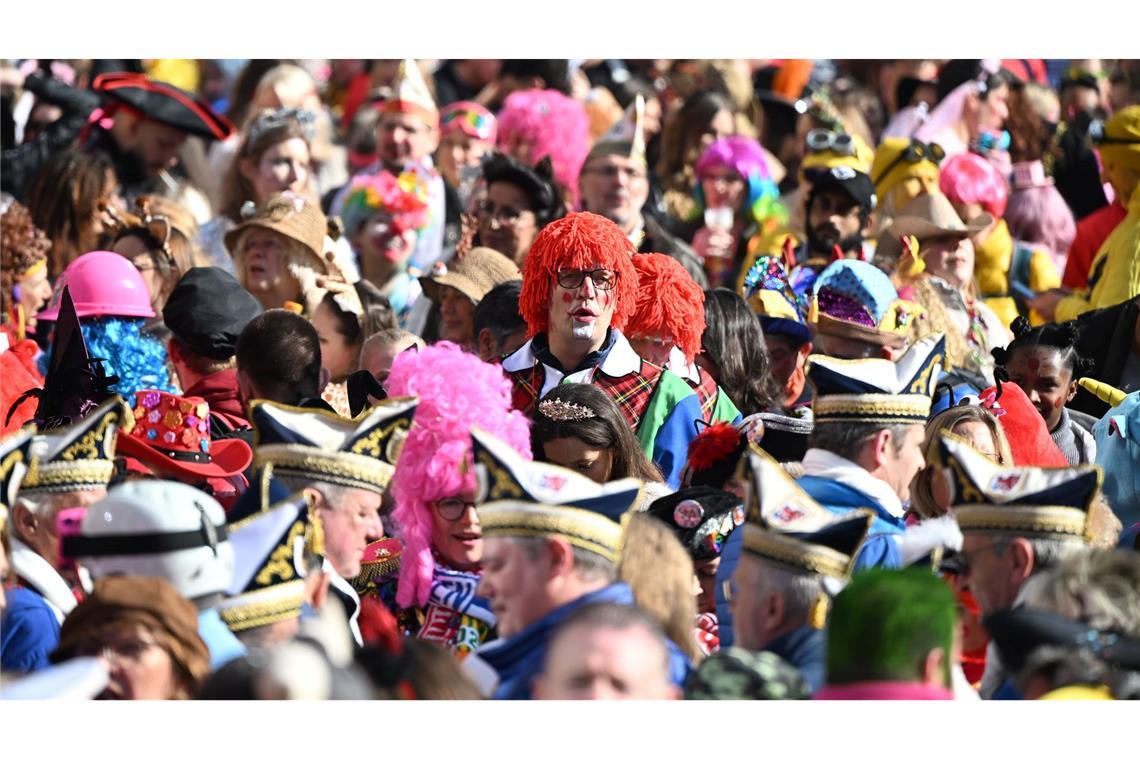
688,513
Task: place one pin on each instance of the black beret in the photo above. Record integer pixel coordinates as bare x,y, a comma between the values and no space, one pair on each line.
702,518
208,309
165,103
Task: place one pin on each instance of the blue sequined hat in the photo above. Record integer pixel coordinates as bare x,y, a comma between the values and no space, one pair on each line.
856,300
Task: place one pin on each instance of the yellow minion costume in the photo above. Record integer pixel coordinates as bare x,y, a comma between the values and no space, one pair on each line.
903,169
1115,273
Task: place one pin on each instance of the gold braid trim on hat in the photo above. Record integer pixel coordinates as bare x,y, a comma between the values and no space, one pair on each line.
871,407
1033,521
336,467
799,555
374,570
263,607
57,477
582,528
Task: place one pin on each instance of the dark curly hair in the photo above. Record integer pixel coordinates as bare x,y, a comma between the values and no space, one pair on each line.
1062,337
22,244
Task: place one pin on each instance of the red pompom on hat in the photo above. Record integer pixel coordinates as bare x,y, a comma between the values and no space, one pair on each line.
1024,427
668,302
579,240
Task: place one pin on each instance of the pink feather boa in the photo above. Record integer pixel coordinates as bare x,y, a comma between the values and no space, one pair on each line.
456,390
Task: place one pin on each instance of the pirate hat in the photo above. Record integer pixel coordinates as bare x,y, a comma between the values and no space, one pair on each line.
165,103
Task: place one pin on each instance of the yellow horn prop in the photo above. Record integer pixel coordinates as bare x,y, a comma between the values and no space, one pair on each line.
1105,392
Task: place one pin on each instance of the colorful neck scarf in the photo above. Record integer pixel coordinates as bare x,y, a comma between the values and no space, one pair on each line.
454,616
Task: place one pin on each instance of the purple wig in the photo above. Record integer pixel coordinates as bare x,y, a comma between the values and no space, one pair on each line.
456,390
1040,216
538,123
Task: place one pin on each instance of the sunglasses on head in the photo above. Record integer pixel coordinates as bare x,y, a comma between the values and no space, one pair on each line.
471,123
823,140
915,152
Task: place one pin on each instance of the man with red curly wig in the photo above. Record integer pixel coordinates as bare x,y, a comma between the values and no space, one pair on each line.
667,326
579,291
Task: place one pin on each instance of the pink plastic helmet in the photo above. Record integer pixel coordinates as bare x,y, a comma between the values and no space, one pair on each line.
103,284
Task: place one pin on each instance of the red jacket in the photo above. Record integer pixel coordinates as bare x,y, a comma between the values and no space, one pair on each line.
220,391
1091,233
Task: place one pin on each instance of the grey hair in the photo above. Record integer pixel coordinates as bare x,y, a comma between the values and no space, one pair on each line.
334,494
589,566
1099,588
616,617
1047,552
846,439
800,591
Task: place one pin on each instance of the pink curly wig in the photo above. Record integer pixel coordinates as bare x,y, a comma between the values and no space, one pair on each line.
1039,215
969,178
456,390
538,123
579,240
669,301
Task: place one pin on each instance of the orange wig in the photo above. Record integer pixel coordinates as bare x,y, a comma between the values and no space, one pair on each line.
668,301
576,241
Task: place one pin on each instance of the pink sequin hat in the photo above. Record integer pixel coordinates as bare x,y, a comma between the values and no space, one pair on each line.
172,435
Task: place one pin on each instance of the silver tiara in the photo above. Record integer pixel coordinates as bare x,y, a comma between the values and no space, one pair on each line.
279,118
564,411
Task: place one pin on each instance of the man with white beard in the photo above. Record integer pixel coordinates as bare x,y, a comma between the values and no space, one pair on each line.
579,290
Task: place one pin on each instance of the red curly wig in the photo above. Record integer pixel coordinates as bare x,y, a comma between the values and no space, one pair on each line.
578,240
668,301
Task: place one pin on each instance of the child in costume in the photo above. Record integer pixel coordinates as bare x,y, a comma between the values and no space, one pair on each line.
667,326
433,596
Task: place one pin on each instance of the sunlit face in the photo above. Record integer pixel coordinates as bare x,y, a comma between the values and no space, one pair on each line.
605,664
652,347
457,150
1049,384
337,355
348,527
402,139
951,258
978,435
723,188
514,583
615,187
575,454
506,221
723,124
378,359
455,533
994,109
834,217
135,250
140,666
264,270
44,540
382,248
456,313
284,166
706,576
35,292
988,573
903,466
582,314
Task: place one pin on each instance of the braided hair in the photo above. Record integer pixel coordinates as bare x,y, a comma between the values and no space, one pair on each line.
1063,337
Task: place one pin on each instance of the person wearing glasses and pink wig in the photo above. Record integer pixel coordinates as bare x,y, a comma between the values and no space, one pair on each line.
434,491
467,134
579,291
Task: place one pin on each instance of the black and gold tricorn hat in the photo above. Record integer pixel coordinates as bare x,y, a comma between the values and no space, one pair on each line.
80,457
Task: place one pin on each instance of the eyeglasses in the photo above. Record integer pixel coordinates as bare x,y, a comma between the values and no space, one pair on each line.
452,509
572,279
824,140
915,152
610,171
505,214
132,649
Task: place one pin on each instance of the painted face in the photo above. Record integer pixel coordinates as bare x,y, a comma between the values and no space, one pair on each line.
583,313
456,313
264,273
653,348
403,139
514,583
337,356
950,258
1049,384
140,667
506,221
455,532
615,187
723,188
783,357
381,248
457,150
349,526
284,166
575,454
604,664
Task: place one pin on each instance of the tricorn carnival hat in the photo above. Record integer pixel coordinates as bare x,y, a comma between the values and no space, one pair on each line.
14,454
877,390
165,103
626,138
1032,502
315,445
523,499
269,564
80,457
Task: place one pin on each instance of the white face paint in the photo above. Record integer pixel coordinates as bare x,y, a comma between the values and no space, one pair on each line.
582,331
